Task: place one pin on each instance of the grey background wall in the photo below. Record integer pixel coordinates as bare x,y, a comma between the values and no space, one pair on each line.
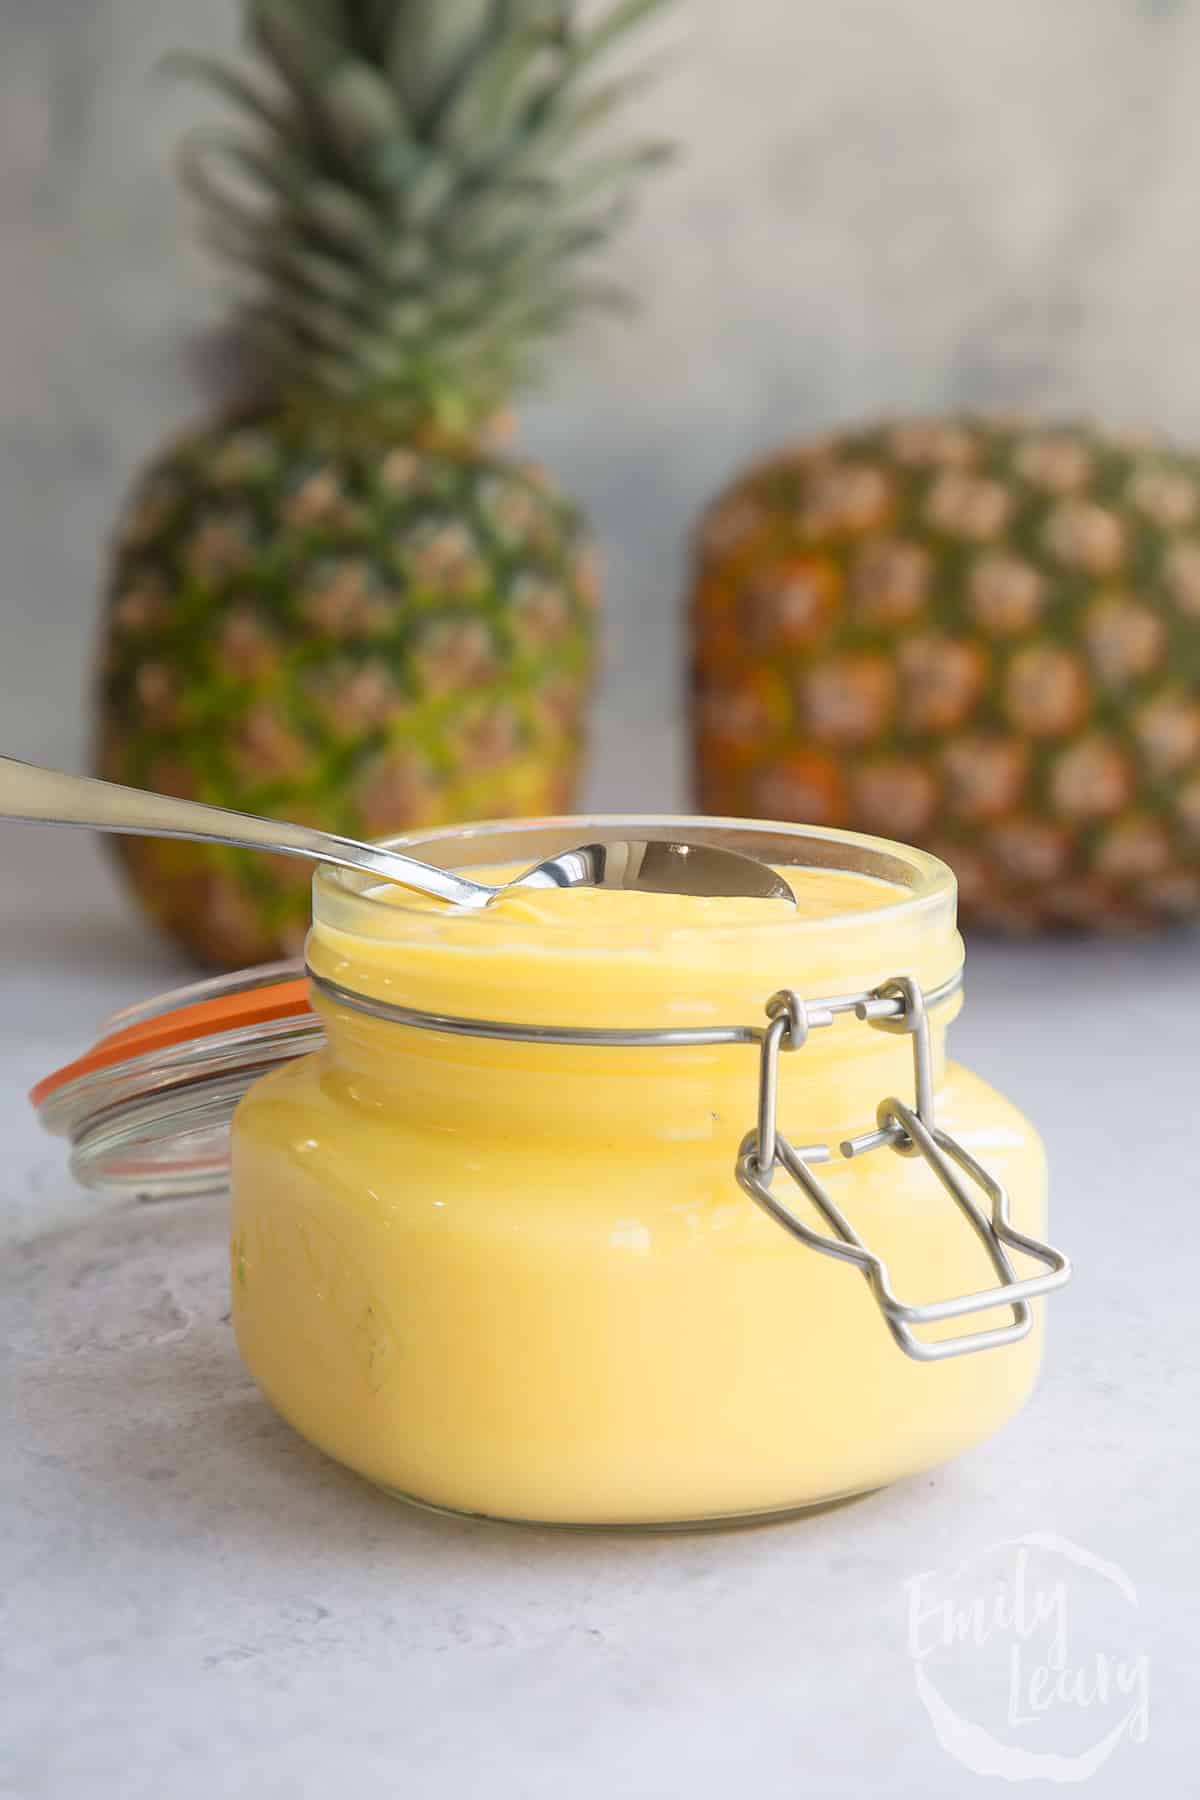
882,206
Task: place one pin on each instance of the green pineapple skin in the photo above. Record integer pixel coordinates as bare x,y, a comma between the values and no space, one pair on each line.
362,638
342,607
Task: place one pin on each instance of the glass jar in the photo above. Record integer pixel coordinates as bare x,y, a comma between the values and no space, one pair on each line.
555,1226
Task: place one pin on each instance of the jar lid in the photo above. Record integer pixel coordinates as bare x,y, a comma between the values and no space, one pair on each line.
147,1108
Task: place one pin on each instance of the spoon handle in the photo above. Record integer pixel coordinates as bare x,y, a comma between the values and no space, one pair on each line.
49,797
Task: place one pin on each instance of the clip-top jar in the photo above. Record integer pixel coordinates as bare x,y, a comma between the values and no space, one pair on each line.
621,1209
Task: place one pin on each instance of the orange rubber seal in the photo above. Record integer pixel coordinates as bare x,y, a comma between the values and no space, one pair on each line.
204,1018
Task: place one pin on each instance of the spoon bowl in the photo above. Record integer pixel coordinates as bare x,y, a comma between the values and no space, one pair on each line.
657,866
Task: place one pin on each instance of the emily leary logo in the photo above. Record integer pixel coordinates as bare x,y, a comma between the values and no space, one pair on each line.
1028,1659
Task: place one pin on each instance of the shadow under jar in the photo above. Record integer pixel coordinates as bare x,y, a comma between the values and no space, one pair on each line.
556,1226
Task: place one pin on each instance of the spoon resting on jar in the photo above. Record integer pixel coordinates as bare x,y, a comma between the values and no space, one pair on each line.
49,797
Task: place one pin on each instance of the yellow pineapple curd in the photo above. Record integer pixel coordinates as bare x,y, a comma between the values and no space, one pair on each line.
520,1278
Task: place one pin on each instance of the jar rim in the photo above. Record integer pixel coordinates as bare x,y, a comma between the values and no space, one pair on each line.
344,899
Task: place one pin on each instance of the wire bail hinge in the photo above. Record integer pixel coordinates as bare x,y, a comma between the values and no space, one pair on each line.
913,1019
898,1005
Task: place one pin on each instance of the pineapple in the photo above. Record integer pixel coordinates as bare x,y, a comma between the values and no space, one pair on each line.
978,634
342,602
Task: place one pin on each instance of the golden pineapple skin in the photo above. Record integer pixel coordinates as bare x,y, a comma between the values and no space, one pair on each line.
362,638
978,634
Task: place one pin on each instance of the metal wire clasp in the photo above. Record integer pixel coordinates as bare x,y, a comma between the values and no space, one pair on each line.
791,1022
879,1011
897,1005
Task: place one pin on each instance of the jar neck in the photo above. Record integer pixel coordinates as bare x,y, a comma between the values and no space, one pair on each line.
491,1090
866,912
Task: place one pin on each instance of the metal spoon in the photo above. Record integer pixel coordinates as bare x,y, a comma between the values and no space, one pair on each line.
51,798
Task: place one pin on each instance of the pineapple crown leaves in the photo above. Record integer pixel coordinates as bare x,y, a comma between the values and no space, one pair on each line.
409,194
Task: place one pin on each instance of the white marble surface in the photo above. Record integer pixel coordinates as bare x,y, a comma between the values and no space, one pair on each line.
197,1604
